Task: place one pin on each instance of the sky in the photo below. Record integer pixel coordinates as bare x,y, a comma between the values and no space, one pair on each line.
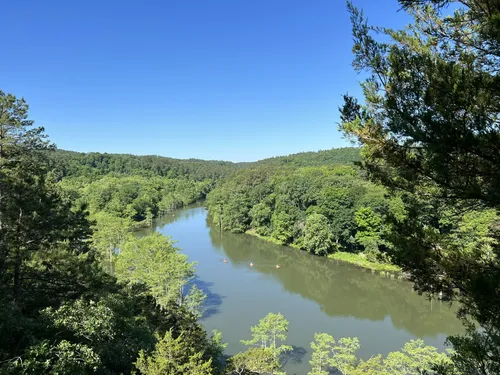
236,80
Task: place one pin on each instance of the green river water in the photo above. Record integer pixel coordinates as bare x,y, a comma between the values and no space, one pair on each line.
315,294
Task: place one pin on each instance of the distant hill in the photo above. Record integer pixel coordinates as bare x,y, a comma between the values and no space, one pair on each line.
346,155
69,163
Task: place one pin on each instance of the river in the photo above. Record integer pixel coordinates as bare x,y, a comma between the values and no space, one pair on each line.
315,294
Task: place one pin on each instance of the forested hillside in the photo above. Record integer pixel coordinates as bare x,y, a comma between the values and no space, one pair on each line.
319,209
345,155
72,164
69,163
140,188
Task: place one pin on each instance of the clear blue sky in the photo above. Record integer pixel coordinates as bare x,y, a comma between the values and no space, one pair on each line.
235,80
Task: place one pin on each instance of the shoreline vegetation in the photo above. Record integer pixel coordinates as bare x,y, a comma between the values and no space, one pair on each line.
358,260
361,261
328,209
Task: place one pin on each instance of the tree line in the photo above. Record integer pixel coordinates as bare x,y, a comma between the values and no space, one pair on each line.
319,209
69,163
94,164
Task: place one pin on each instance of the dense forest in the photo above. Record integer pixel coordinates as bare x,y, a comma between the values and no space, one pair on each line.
319,209
80,294
75,164
69,163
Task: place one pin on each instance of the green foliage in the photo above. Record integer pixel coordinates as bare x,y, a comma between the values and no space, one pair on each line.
267,335
114,328
253,361
369,226
319,209
173,356
109,233
194,301
96,165
155,262
361,260
134,197
44,254
336,156
283,227
321,356
261,218
470,350
414,359
329,354
429,131
62,358
317,237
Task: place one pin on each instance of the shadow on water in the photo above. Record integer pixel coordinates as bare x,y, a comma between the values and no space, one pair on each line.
341,290
294,356
212,301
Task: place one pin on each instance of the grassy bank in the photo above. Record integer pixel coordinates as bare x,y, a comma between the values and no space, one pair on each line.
361,261
356,259
252,232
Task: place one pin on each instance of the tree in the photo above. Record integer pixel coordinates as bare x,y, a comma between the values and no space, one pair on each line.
321,356
173,357
317,236
154,261
430,133
283,226
368,235
329,354
235,213
414,358
268,333
253,361
194,301
44,253
109,233
62,358
261,218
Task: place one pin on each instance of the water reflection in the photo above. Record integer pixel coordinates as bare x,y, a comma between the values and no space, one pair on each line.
212,301
341,290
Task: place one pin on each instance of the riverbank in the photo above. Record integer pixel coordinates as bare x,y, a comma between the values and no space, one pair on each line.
356,259
361,261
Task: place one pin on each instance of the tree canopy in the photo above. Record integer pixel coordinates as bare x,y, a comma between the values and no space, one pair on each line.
429,132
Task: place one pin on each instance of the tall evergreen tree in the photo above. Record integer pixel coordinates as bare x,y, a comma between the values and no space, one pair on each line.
430,130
